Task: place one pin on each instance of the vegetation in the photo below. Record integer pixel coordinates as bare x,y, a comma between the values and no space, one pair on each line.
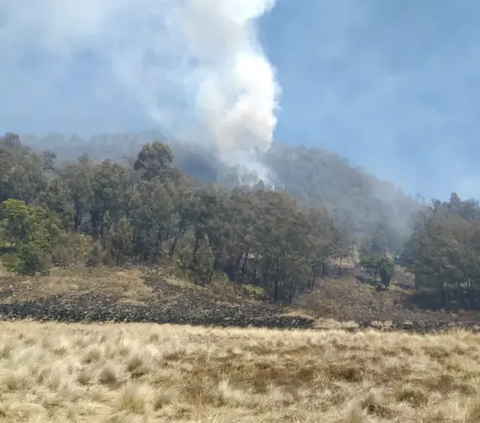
174,219
381,266
365,208
444,252
150,213
32,232
136,373
147,211
360,205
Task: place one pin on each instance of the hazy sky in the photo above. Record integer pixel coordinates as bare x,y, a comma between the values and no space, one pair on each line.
393,85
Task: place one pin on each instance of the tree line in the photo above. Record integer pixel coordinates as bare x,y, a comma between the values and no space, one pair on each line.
150,213
443,252
358,202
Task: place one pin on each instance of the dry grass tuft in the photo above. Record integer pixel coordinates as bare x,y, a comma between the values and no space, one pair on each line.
109,374
52,372
125,285
375,403
473,411
134,398
355,414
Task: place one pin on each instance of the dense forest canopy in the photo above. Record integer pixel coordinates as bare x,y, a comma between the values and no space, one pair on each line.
443,251
156,209
358,203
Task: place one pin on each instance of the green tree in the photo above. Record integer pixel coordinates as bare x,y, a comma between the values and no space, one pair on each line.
202,262
154,160
55,198
151,214
380,265
443,251
119,242
78,179
33,231
386,267
109,187
21,170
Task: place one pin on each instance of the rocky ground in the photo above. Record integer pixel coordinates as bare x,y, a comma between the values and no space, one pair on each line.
157,300
198,311
349,300
128,296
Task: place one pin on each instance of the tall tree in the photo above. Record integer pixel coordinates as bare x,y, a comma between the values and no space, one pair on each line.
154,160
78,178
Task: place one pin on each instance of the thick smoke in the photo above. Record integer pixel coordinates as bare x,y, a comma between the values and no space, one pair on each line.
196,66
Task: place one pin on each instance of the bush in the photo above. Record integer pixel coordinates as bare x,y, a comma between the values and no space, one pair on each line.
10,261
220,284
29,261
184,252
71,249
379,265
96,256
255,291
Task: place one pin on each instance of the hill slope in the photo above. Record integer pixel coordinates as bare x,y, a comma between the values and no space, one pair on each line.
136,295
80,294
359,202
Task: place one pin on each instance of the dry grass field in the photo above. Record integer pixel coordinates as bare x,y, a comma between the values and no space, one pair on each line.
52,372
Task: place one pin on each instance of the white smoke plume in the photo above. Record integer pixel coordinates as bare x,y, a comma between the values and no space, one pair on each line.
196,66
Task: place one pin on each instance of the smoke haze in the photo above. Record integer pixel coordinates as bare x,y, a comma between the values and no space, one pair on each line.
194,66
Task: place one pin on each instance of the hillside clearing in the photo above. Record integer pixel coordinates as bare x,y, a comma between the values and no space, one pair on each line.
51,372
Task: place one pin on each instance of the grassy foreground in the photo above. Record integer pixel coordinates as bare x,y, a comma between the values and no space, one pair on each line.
149,373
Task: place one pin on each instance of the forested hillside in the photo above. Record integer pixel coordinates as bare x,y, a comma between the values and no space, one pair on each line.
444,252
360,204
147,211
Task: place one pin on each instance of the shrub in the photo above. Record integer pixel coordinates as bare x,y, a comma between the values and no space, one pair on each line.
29,260
10,261
96,256
255,291
71,249
33,231
221,285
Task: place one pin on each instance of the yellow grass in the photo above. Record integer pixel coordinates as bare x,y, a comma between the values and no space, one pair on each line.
123,285
127,286
145,373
